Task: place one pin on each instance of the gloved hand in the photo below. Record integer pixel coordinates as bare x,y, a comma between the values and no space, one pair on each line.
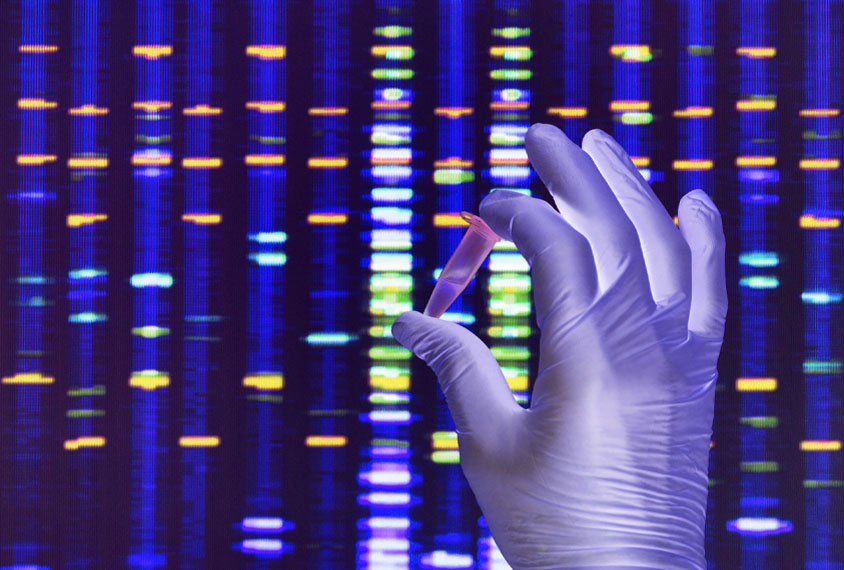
608,466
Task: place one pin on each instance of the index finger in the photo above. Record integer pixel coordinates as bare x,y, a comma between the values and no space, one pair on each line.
563,273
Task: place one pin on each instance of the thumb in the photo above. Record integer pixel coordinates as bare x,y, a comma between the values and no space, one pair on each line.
471,379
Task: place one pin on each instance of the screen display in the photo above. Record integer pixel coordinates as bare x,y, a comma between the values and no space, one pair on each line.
215,209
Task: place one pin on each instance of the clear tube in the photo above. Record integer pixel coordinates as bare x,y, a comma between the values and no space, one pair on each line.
471,252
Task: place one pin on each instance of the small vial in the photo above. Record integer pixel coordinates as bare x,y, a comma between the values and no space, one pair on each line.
471,252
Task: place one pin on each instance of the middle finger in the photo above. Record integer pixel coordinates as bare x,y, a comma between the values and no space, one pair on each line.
589,205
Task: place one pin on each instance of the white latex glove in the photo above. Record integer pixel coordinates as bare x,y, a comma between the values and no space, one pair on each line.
608,466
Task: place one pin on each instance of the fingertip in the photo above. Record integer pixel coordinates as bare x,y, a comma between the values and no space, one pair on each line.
400,325
498,195
536,127
697,205
700,220
593,136
598,143
693,201
544,131
697,194
496,213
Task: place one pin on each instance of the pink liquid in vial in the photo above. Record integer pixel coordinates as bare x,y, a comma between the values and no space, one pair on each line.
471,252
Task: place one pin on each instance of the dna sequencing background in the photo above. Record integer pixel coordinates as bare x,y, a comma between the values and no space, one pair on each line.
213,210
